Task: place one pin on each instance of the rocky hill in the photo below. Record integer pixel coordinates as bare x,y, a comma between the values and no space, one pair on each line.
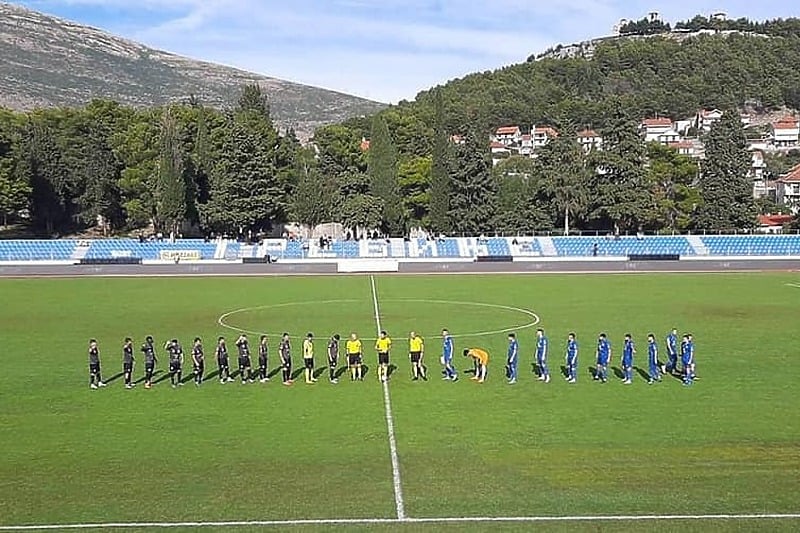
46,61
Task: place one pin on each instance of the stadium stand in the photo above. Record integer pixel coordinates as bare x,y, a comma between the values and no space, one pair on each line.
444,248
111,248
744,245
622,246
37,250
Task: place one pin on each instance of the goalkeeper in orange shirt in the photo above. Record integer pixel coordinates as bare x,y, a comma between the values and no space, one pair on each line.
481,360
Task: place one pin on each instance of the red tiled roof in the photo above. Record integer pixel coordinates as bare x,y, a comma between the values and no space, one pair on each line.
774,220
507,130
526,137
547,130
364,145
786,123
587,133
496,144
793,176
707,112
681,144
651,122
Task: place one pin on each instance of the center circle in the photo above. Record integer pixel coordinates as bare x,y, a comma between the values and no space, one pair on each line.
530,319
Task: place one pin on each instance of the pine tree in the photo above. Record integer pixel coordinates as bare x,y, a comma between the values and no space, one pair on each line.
246,194
14,187
314,194
562,165
474,191
522,206
382,170
619,191
441,184
100,176
171,184
725,187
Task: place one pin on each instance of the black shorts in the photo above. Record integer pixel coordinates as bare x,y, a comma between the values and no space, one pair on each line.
222,364
198,369
354,359
333,361
244,362
262,363
287,363
174,367
415,357
94,368
149,367
383,358
309,363
127,367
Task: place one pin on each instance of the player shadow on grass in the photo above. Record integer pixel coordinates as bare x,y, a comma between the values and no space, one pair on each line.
592,371
144,378
297,373
319,371
564,371
274,372
114,378
618,372
391,370
211,375
342,370
187,377
165,376
644,375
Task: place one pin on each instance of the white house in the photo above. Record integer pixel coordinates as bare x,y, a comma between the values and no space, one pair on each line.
526,145
668,137
786,132
788,189
706,118
542,135
757,168
507,135
499,151
683,147
653,128
590,139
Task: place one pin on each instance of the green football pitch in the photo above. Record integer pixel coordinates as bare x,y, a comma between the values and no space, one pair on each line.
308,456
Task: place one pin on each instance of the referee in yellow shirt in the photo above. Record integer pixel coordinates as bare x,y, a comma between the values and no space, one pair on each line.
382,346
353,350
308,358
416,351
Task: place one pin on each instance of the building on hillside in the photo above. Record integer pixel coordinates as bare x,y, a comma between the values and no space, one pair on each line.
669,137
773,223
499,151
508,135
526,145
720,16
785,132
364,144
757,174
747,120
590,140
787,189
684,147
458,139
617,29
653,128
706,118
542,135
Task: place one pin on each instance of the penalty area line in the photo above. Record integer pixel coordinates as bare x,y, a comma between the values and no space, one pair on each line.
406,520
387,402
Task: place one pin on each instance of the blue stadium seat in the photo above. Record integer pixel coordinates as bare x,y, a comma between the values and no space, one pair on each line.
447,248
498,246
623,246
37,250
346,249
773,245
107,248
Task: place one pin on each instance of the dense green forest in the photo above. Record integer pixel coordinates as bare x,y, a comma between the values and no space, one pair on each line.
190,166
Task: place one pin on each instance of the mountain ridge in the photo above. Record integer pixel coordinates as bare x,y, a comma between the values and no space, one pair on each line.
52,62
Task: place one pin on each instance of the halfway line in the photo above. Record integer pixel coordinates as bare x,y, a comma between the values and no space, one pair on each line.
398,487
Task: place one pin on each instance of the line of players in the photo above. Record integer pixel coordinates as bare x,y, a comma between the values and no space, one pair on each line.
656,368
383,347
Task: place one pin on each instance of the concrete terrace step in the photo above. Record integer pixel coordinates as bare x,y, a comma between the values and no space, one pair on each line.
697,245
547,246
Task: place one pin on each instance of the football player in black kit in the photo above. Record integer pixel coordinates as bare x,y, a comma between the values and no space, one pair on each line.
222,361
150,361
263,359
245,364
333,357
198,362
127,362
95,380
286,359
175,362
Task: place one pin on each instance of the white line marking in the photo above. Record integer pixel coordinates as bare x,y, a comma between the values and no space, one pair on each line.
795,285
535,320
406,520
398,487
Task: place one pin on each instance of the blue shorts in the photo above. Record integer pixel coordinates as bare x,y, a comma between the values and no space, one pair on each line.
627,362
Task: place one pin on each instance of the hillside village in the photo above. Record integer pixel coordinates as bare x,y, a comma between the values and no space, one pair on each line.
685,136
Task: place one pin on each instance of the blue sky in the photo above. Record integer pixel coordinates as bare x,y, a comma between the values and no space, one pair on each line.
386,50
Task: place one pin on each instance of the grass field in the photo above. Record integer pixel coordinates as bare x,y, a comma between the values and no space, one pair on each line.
728,445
